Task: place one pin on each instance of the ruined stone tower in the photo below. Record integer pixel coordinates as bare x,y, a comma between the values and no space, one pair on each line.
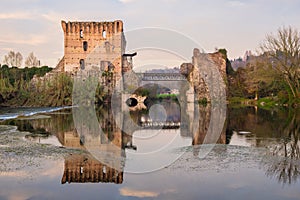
82,38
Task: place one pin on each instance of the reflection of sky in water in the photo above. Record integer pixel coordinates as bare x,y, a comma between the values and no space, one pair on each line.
155,149
52,140
239,140
225,179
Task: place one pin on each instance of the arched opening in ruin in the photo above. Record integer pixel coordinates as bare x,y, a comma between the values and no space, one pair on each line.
131,102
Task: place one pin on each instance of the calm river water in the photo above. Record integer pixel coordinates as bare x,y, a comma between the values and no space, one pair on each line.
49,153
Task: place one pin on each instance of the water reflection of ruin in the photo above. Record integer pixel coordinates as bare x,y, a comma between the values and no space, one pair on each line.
177,120
204,122
171,120
82,169
86,168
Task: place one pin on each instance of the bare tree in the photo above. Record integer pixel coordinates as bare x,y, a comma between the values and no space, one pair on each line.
6,60
19,59
13,59
32,61
284,50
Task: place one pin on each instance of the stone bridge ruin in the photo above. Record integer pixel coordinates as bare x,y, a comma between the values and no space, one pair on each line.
99,48
108,38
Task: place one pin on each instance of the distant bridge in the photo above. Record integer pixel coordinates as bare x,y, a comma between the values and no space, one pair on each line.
159,125
161,76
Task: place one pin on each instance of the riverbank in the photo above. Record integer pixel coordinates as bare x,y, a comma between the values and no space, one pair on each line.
13,113
265,103
19,153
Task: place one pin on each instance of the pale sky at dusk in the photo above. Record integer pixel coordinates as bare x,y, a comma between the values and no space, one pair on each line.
34,25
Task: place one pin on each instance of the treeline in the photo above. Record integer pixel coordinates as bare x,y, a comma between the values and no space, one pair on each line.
15,74
30,87
14,80
15,59
274,74
48,91
257,79
35,87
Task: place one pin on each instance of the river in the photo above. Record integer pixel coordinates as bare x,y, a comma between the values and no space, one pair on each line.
50,153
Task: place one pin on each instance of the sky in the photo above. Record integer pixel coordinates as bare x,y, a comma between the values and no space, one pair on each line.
237,25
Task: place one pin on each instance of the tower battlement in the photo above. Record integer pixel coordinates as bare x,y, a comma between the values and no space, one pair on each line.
91,28
82,38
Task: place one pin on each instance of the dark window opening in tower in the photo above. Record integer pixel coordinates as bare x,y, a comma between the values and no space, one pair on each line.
111,67
81,33
85,45
81,62
104,34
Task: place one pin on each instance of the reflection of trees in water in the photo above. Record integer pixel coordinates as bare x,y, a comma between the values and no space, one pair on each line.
55,124
278,131
285,170
284,164
289,147
267,126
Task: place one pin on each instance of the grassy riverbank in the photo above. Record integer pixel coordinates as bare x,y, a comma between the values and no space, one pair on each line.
265,102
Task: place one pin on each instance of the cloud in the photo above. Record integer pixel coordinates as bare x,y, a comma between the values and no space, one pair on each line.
17,15
236,3
30,40
57,52
126,1
52,17
137,193
55,17
7,49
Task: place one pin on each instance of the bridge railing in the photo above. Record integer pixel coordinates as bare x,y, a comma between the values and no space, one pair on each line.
161,76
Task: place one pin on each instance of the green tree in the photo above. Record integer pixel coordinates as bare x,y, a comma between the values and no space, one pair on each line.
229,69
261,78
284,52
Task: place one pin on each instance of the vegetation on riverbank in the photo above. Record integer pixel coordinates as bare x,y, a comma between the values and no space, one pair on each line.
46,91
167,96
33,87
271,78
266,103
15,83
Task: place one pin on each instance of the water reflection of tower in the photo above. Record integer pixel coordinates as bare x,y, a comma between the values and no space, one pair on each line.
84,167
